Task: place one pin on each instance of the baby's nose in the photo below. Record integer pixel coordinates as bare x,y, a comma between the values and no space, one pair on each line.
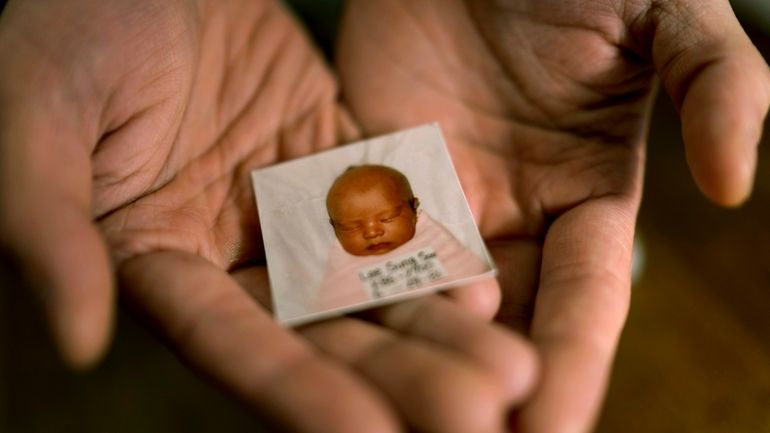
373,230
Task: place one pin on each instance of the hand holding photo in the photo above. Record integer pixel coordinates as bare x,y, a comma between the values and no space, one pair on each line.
374,222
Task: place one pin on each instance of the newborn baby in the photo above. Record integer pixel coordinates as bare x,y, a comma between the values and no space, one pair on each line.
375,218
372,210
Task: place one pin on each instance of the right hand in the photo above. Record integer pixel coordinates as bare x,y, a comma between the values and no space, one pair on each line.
127,132
545,106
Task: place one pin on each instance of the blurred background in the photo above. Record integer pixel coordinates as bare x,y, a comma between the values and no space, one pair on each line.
694,357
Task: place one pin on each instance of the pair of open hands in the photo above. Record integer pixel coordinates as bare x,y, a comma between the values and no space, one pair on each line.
128,128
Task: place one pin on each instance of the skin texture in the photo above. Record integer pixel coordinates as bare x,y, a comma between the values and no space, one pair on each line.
127,132
372,210
127,129
545,107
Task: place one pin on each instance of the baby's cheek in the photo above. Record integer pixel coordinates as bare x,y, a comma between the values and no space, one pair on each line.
352,243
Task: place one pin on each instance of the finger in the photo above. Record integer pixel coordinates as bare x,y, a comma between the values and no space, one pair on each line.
506,357
492,355
254,280
518,262
581,305
481,298
346,126
45,222
218,329
433,389
722,86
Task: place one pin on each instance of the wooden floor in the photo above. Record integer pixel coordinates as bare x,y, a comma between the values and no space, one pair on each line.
695,355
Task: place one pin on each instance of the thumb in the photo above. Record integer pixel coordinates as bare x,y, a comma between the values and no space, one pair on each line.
721,85
46,223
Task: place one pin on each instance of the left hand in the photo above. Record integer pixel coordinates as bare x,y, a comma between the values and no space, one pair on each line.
127,131
545,105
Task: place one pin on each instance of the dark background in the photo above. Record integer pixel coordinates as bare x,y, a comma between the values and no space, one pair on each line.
695,355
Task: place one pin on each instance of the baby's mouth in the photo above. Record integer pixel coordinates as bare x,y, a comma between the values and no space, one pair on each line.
380,248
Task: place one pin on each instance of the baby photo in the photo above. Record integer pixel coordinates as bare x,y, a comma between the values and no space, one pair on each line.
366,224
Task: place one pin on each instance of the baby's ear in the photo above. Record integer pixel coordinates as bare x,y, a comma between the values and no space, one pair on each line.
414,203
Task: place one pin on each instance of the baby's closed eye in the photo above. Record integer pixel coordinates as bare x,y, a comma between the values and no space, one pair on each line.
390,216
348,227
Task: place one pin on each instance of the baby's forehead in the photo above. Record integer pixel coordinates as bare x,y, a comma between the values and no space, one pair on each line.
387,191
367,179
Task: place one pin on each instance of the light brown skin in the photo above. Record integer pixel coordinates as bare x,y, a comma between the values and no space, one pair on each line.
372,210
127,132
146,115
545,108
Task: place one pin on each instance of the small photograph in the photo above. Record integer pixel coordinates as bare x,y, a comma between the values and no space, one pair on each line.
366,224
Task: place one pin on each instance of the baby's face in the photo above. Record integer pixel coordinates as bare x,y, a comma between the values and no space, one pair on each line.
372,220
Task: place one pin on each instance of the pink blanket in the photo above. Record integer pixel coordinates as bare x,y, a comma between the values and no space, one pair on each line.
342,285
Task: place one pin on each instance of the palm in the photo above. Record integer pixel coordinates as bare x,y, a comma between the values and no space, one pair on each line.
248,108
545,108
536,125
182,99
196,190
208,121
148,115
